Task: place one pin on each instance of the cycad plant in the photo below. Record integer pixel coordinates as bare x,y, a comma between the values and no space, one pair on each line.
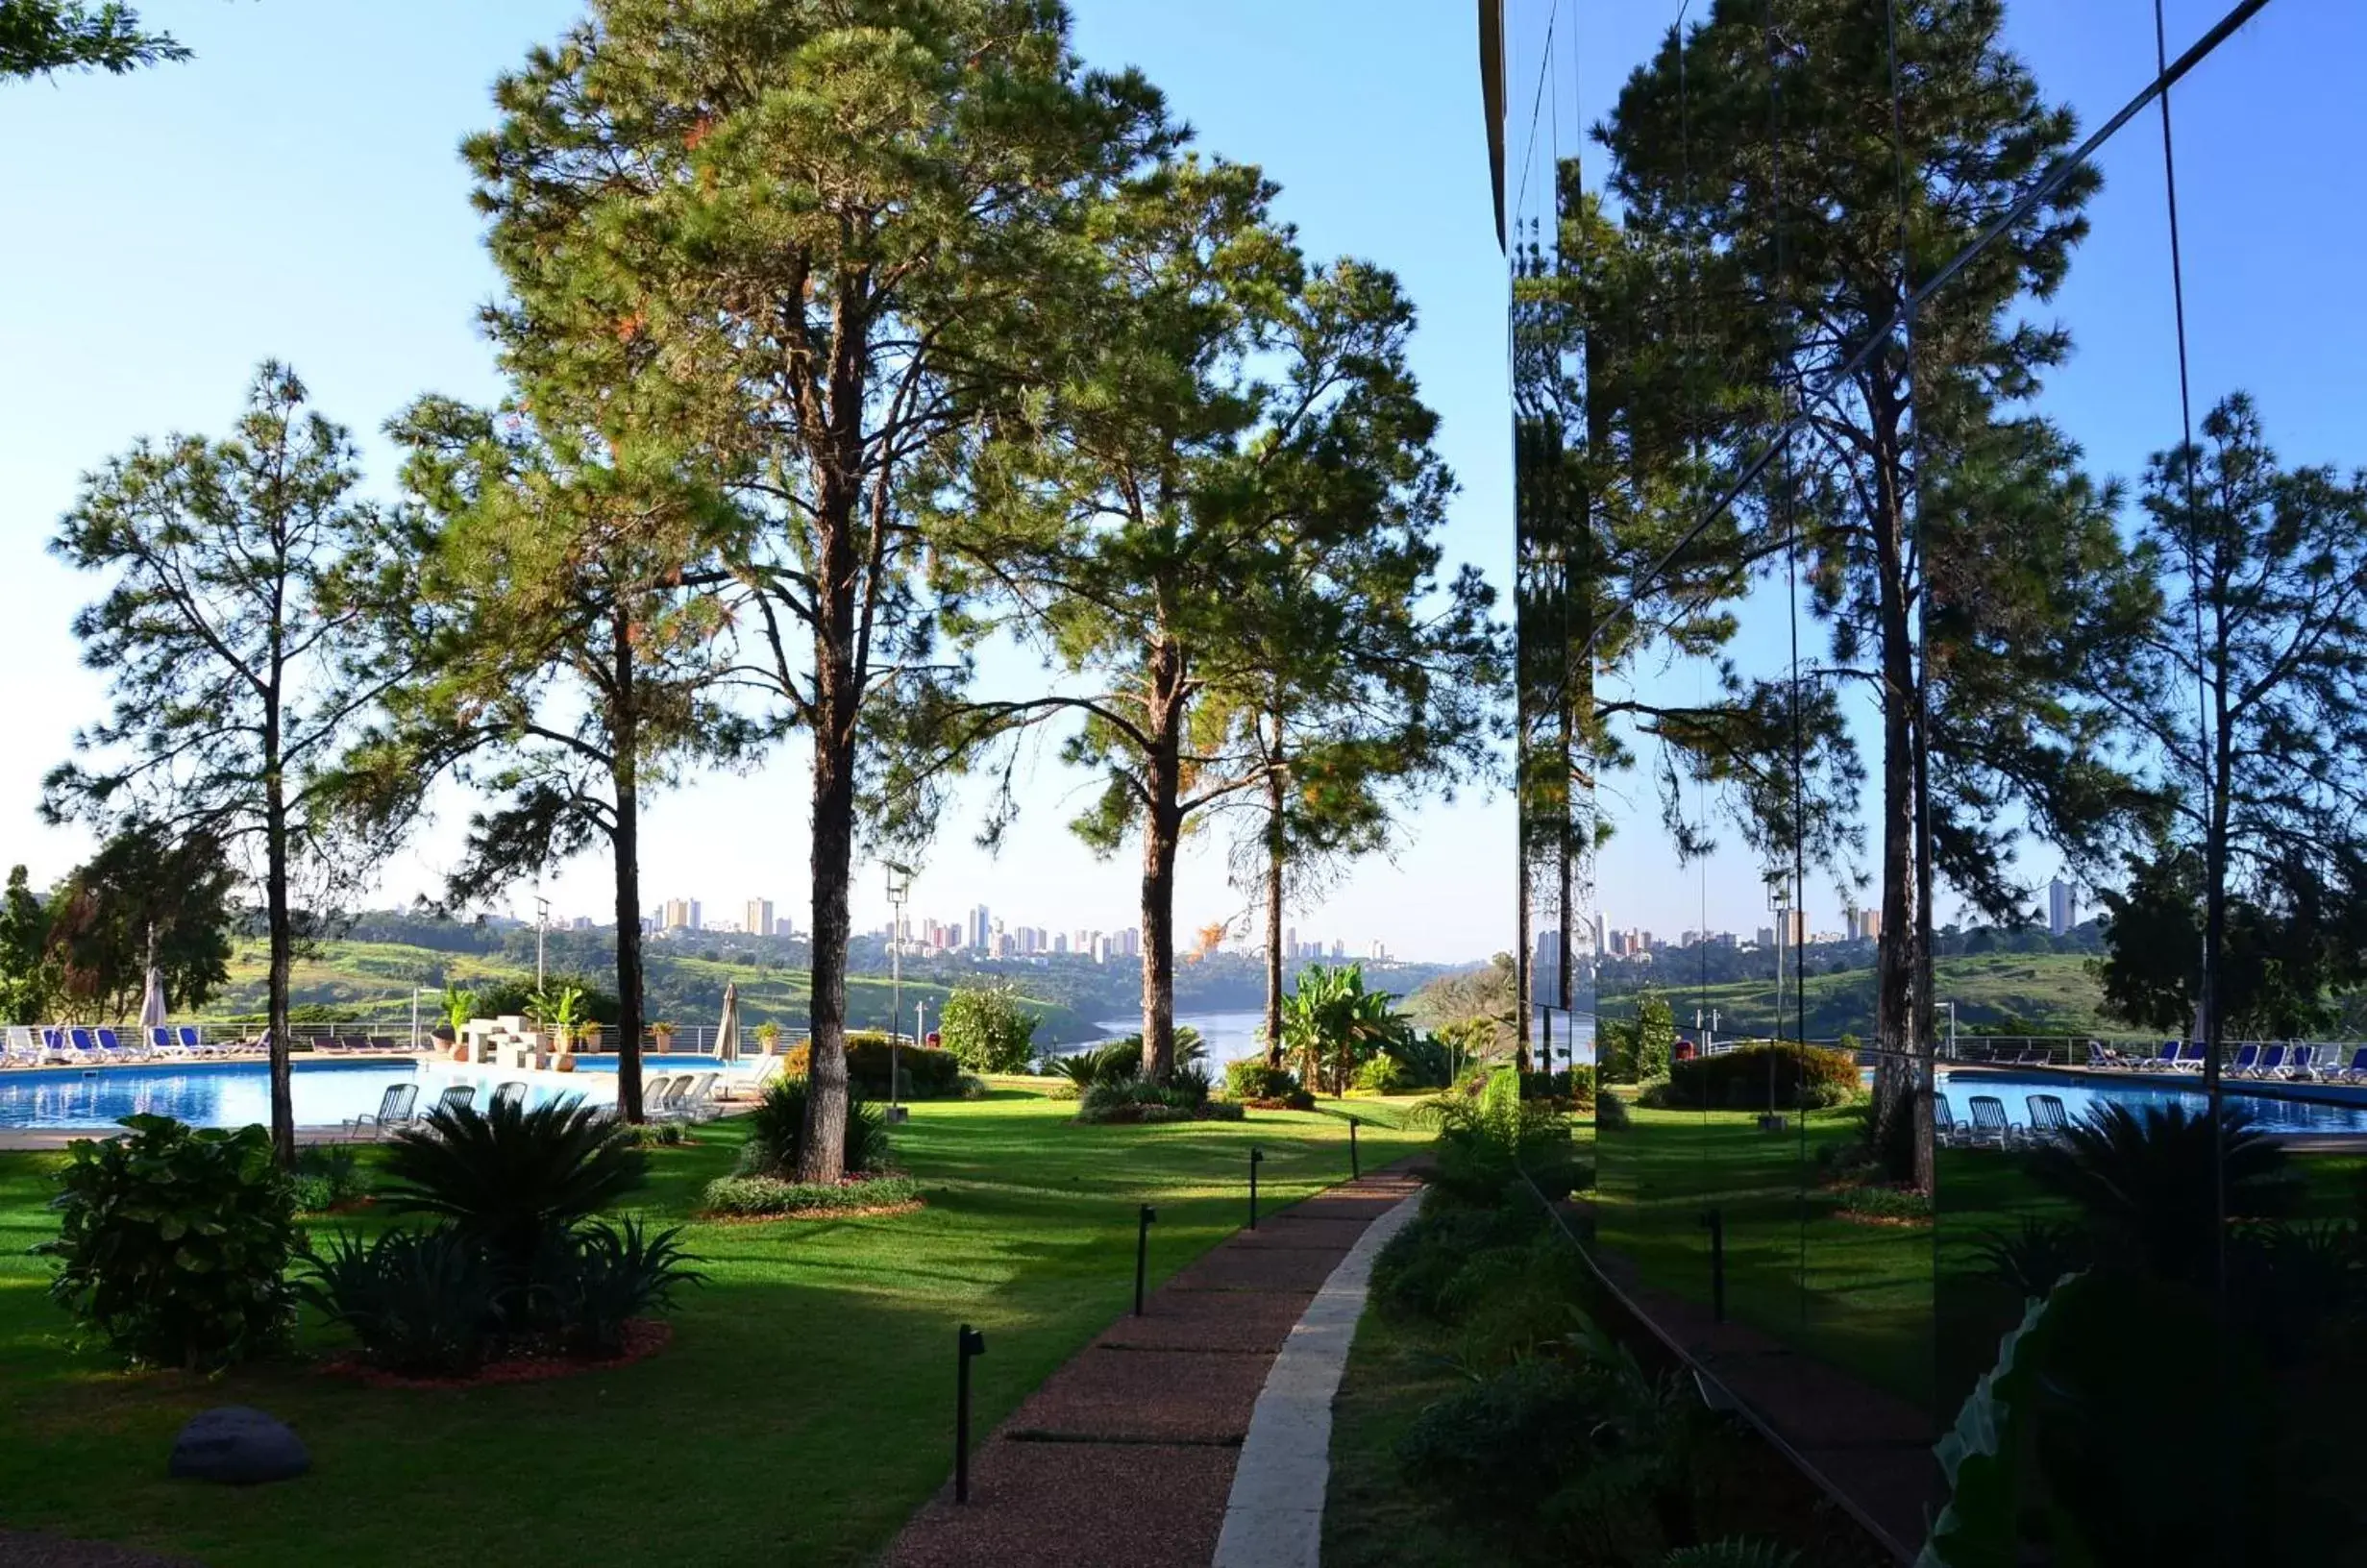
511,1178
2148,1180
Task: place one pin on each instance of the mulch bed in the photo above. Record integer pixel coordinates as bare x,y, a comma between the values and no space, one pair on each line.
643,1338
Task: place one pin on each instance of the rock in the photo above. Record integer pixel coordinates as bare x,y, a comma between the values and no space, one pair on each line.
240,1445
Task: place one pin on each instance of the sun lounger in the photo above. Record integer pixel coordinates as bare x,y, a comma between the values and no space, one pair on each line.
394,1110
2245,1061
2353,1073
2301,1063
1949,1130
459,1097
696,1103
658,1094
21,1046
510,1093
1990,1127
2048,1123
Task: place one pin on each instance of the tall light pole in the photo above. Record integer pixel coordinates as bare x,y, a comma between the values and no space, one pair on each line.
900,888
542,922
1778,899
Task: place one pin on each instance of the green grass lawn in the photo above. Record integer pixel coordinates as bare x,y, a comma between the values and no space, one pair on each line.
1908,1308
801,1415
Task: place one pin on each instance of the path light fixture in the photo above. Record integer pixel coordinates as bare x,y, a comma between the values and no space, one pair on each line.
1143,1222
969,1344
1257,1157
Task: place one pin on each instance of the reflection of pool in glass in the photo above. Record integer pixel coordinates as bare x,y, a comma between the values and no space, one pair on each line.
217,1093
2276,1113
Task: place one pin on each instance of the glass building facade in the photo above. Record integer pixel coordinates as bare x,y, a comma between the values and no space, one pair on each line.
1941,591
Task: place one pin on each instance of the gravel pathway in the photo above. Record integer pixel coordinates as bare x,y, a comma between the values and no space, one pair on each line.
1127,1457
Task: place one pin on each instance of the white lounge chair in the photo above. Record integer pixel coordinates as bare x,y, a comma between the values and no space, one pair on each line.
1991,1128
697,1102
394,1110
21,1046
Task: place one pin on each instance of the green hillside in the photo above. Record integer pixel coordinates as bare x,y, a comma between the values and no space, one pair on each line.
371,982
1993,992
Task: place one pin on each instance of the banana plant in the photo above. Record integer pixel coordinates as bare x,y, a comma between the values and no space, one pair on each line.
558,1011
460,1006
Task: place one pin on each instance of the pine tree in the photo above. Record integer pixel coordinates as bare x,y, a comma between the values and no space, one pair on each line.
804,236
238,651
39,37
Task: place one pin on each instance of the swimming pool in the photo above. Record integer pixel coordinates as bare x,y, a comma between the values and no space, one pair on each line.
216,1093
2276,1114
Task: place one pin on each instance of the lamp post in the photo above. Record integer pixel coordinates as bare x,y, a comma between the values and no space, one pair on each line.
542,922
1778,899
900,888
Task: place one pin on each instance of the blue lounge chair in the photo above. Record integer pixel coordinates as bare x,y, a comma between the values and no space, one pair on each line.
192,1041
2355,1071
2247,1060
110,1045
2301,1063
394,1110
2166,1057
1991,1126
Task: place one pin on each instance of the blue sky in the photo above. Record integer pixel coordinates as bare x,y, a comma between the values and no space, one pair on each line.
294,192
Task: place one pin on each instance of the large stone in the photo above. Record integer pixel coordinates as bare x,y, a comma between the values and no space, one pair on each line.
238,1445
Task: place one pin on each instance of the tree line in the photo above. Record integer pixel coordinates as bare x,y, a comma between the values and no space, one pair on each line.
2162,681
841,342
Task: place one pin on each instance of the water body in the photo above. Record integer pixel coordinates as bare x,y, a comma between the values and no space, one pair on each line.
1230,1036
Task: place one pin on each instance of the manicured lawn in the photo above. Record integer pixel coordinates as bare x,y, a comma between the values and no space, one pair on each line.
802,1412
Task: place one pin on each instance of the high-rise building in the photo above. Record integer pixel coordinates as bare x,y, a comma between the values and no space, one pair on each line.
1060,942
1128,943
2062,910
759,919
681,915
981,930
1339,950
1379,952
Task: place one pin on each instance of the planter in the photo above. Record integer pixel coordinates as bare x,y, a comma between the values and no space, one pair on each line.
564,1061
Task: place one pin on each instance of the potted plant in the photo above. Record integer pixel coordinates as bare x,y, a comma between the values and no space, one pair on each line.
460,1006
768,1037
662,1033
554,1015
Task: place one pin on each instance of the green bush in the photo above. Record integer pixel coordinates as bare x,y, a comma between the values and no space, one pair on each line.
1610,1111
776,1131
1740,1080
1501,1140
327,1174
1140,1100
1876,1202
514,1181
1384,1075
173,1243
1573,1086
752,1195
421,1303
924,1073
1251,1079
1492,1450
1415,1274
987,1028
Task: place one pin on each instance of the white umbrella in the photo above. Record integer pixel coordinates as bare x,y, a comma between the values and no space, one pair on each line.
728,1034
152,1005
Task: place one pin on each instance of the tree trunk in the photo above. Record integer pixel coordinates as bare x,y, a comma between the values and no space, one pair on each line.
837,702
625,771
1162,831
282,942
1894,993
1275,849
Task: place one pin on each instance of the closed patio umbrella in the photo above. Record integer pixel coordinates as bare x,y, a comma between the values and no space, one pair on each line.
152,1005
728,1034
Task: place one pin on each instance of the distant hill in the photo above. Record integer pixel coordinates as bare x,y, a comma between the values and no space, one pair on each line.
2050,992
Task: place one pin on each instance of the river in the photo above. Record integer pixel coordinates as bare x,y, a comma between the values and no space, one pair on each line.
1230,1036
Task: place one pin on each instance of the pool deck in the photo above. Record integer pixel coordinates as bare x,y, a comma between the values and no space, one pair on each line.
2348,1094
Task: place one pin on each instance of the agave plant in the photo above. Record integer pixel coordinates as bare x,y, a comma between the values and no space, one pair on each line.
508,1178
424,1302
615,1274
2148,1180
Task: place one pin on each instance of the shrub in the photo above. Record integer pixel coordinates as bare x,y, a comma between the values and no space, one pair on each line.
511,1180
1191,1080
1415,1271
659,1135
327,1174
988,1030
1493,1449
612,1276
1876,1202
1383,1075
1741,1079
1488,1145
1571,1086
1251,1079
2146,1179
925,1073
751,1195
174,1242
1140,1100
776,1131
1610,1111
971,1087
2038,1254
424,1303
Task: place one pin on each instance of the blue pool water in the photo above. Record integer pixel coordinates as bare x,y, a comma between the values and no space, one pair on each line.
214,1094
2276,1113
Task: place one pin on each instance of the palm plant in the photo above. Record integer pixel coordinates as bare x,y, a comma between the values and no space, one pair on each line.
1331,1024
556,1012
511,1178
460,1006
2148,1180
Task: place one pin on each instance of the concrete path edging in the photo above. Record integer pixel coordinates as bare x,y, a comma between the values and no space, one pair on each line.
1274,1515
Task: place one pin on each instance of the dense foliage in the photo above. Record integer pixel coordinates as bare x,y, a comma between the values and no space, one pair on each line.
871,1058
777,1124
988,1029
750,1196
173,1243
1761,1077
